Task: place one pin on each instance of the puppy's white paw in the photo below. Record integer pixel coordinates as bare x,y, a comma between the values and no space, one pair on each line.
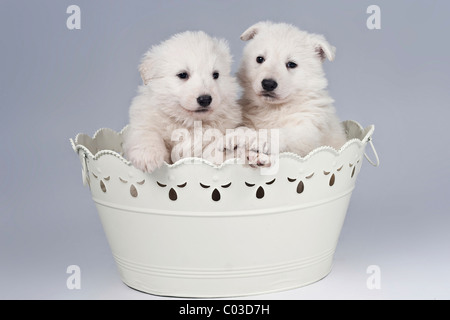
239,138
147,159
258,159
260,144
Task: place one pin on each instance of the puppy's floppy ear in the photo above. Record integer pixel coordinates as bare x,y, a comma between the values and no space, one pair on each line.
145,67
253,30
323,48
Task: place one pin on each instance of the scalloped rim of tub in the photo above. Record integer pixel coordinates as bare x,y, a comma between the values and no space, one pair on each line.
366,133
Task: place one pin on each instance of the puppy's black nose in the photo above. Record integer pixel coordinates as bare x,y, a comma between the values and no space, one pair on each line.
269,84
204,101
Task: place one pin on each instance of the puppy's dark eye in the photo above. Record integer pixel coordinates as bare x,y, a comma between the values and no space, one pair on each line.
260,59
183,75
291,65
215,75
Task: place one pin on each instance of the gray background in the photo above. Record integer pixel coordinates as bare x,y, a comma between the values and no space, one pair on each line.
55,82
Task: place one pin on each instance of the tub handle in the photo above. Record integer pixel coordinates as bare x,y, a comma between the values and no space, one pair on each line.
84,169
375,163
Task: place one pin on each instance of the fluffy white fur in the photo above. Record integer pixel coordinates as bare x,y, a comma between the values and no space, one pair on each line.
299,107
165,102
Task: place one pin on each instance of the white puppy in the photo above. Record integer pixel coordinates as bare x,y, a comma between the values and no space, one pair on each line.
186,79
284,88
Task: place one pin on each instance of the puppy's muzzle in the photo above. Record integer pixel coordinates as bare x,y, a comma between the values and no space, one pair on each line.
269,84
204,102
